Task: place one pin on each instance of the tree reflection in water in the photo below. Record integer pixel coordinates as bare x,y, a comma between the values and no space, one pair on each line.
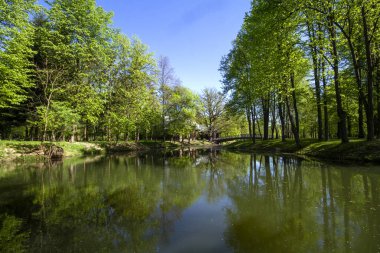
135,203
290,205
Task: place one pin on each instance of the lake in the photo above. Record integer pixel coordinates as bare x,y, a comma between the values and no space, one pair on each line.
189,201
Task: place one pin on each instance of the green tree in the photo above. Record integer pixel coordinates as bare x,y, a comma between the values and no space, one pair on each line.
183,106
212,111
16,34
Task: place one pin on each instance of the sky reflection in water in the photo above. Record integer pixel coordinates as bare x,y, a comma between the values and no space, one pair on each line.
189,201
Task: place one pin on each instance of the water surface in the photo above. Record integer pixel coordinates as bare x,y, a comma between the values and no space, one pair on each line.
189,201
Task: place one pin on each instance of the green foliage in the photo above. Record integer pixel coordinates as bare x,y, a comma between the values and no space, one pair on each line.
279,46
182,110
15,51
60,117
12,239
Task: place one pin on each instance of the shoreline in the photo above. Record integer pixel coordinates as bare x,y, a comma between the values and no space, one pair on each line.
357,150
29,150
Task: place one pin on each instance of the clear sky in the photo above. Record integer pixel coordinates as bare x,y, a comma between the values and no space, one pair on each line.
194,34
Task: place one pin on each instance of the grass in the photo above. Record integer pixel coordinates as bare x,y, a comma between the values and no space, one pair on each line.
356,150
26,149
148,145
270,145
21,149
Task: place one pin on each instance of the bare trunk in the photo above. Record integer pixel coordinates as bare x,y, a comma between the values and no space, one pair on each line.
46,120
53,135
282,120
265,103
294,123
342,125
378,99
314,50
358,79
325,109
370,113
248,113
126,135
273,125
253,116
85,131
73,134
295,108
258,127
137,135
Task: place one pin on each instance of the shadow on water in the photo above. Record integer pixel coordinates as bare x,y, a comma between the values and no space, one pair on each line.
188,200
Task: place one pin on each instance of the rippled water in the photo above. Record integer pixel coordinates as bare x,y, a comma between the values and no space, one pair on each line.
189,201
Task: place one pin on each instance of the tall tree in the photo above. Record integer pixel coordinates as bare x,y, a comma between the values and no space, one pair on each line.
213,108
16,33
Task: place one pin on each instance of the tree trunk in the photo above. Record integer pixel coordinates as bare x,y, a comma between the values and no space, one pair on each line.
73,134
370,113
294,124
273,125
282,120
85,135
316,65
46,120
377,83
358,79
334,52
126,137
258,127
53,135
253,116
248,113
137,135
349,126
295,108
265,102
325,109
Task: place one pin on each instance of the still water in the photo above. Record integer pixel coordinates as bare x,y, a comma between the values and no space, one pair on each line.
189,201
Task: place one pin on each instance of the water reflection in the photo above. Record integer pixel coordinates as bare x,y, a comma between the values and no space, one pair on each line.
158,202
289,205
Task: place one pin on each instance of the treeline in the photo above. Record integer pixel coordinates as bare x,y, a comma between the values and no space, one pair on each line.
307,69
67,74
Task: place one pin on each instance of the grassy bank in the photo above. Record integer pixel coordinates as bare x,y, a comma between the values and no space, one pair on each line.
356,150
10,150
27,149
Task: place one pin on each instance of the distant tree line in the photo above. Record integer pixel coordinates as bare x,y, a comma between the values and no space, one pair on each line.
67,74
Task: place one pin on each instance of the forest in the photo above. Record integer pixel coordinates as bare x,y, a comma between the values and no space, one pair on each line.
297,69
308,69
68,74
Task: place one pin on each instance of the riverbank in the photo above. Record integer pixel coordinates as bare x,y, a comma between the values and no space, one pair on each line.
358,150
10,150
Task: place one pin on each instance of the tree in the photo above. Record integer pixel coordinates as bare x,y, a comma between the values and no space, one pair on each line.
15,51
166,79
80,42
212,110
182,110
130,96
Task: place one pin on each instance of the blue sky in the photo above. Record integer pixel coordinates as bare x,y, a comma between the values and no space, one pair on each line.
194,34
